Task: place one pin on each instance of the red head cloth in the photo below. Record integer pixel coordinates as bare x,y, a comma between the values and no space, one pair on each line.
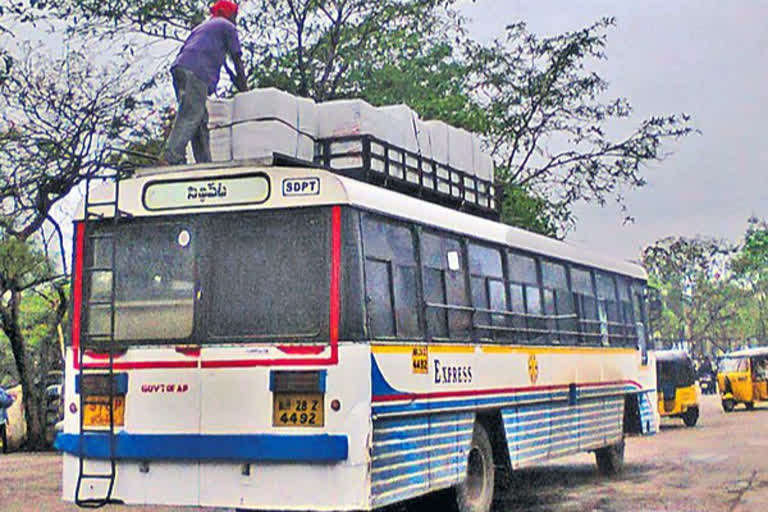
224,8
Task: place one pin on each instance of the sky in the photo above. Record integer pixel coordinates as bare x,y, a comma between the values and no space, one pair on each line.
702,57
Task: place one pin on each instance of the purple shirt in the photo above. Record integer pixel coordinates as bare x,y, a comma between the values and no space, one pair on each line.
206,48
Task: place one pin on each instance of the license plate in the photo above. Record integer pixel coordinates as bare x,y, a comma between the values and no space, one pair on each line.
298,410
96,411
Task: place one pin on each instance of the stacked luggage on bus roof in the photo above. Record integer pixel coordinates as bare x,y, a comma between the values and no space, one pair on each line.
389,145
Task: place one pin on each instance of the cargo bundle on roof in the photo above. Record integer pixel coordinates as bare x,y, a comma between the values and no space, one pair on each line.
389,146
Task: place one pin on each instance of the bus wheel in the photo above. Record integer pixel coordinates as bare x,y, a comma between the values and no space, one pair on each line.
749,405
728,405
610,459
475,493
691,416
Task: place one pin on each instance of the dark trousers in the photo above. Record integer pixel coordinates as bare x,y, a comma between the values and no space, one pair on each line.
4,437
191,122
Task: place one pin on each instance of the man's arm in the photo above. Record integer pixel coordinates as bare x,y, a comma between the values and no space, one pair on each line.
240,81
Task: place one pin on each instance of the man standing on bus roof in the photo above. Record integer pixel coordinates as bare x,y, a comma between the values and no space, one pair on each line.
195,75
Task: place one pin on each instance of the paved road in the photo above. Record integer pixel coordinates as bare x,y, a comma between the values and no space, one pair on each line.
719,465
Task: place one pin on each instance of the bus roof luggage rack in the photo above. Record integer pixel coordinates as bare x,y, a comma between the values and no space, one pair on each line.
376,161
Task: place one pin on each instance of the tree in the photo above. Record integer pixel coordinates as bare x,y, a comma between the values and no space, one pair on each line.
535,100
702,303
751,266
23,273
549,123
62,122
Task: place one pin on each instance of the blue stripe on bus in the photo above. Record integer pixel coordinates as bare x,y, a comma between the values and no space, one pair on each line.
221,447
538,432
416,454
513,400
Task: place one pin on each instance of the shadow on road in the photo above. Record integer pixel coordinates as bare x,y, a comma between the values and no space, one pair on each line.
553,487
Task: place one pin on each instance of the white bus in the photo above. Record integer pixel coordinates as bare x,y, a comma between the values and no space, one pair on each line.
289,338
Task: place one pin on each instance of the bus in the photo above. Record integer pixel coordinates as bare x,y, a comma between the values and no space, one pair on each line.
263,336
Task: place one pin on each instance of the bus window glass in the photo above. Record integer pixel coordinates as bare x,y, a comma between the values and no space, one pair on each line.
625,311
609,308
517,305
586,305
270,275
391,287
537,327
379,298
581,282
154,285
434,293
487,287
522,269
484,261
558,302
445,289
553,276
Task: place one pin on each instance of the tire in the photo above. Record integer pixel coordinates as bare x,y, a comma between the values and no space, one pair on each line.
728,404
691,416
749,405
475,493
610,459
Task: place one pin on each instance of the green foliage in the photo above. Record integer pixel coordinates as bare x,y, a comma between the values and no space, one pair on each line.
537,102
522,208
711,291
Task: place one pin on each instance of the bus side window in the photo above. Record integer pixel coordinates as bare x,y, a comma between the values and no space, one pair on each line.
445,292
586,303
625,309
558,303
487,285
391,279
525,298
638,299
609,309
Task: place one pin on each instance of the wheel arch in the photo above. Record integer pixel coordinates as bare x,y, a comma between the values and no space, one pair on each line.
493,422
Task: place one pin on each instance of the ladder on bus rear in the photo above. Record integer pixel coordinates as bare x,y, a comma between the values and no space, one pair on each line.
103,342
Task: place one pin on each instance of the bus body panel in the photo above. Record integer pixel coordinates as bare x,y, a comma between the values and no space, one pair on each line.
554,401
228,404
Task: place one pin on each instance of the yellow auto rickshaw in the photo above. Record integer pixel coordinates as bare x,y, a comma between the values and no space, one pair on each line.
742,378
676,386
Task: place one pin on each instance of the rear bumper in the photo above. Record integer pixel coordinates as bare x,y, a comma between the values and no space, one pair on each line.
200,447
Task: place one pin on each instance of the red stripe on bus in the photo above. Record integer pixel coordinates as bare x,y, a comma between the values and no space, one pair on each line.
100,355
305,350
496,391
144,365
335,307
189,351
77,290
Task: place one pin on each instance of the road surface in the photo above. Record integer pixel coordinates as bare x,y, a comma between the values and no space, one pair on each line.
721,465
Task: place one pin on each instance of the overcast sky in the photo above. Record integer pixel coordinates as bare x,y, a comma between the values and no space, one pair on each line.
704,58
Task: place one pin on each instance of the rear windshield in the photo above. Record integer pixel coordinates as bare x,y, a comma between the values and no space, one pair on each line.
269,275
233,277
677,372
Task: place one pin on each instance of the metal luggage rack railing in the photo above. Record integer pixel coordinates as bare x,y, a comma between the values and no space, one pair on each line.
376,161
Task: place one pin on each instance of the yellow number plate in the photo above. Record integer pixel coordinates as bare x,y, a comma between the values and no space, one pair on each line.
96,411
298,410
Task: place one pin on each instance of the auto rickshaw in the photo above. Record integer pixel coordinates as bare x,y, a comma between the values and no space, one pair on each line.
742,378
676,386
